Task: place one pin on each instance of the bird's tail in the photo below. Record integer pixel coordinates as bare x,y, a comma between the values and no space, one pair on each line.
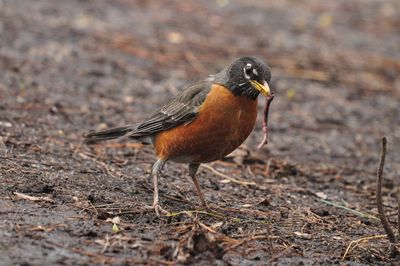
106,134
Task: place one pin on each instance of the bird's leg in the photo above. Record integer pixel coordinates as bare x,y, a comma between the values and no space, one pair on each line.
155,172
193,167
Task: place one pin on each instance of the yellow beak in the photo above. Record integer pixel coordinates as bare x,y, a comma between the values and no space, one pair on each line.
263,88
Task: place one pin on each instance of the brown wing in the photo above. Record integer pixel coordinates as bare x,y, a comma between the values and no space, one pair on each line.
181,110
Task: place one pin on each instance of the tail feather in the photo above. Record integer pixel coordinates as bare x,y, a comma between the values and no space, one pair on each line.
106,134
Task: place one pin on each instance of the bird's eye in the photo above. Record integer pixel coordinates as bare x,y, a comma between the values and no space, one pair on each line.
247,70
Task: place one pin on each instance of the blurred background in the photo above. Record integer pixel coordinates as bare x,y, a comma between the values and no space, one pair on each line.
335,65
70,66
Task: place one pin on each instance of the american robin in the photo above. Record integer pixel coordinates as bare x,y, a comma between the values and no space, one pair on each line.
203,123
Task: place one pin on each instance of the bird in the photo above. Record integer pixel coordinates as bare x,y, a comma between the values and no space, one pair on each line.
203,123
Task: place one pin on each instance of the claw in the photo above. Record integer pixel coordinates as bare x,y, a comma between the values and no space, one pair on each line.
158,209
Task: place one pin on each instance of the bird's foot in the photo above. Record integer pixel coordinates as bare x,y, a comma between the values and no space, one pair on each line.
158,209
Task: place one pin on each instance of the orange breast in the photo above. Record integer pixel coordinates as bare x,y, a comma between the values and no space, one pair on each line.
223,123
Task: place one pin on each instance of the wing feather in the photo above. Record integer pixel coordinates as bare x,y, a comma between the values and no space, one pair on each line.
182,110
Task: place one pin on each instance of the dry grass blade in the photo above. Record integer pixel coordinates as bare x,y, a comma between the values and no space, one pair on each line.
358,213
236,181
360,240
379,200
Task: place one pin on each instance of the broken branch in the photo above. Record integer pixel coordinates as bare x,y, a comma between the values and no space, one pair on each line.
379,200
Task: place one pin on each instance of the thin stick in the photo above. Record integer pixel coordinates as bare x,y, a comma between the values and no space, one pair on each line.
398,212
32,198
359,240
209,229
106,245
379,200
245,240
244,183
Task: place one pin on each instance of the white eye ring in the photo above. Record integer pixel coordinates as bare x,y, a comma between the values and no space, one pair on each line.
255,72
247,67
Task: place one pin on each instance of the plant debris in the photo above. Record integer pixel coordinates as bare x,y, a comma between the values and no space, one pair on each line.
70,66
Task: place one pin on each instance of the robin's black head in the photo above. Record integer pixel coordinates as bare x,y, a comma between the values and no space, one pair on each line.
246,76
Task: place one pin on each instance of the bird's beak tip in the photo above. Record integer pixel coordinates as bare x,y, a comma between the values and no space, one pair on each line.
263,88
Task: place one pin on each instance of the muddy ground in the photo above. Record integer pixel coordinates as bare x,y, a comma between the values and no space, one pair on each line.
67,67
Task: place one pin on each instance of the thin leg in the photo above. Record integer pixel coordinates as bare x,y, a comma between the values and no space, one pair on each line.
192,173
155,172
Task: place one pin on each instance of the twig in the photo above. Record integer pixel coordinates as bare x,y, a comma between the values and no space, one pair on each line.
175,199
248,239
93,207
244,183
398,212
359,240
209,229
106,245
379,200
191,212
32,198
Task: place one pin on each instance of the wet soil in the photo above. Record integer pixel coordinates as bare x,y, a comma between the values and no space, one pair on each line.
308,197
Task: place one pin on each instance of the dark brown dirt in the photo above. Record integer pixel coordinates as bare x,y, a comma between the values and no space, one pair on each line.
70,66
